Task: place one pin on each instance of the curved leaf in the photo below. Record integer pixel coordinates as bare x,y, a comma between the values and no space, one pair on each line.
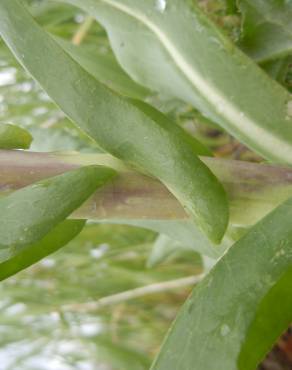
105,69
28,214
164,248
14,137
267,28
273,317
160,56
214,324
183,232
278,69
158,147
54,240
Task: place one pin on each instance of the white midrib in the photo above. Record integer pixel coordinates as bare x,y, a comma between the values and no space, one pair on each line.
266,140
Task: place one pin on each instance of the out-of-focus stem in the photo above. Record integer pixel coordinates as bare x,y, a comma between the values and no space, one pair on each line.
253,189
128,295
82,31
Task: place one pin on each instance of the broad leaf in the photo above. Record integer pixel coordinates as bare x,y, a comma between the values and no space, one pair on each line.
14,137
158,147
220,317
161,57
267,28
28,214
54,240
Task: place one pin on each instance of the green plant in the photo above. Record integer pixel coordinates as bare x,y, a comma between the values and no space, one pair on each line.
172,53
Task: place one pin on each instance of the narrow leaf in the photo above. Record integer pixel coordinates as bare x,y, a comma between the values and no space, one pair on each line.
267,28
278,69
157,147
181,64
105,69
273,317
14,137
163,248
28,214
54,240
181,231
214,324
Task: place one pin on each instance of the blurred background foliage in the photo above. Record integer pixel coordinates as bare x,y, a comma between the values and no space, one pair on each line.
39,330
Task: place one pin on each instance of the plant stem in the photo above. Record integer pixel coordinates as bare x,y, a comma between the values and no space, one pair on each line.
82,31
127,295
253,189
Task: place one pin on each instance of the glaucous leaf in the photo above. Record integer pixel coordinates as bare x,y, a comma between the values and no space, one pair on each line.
156,146
54,240
272,318
219,318
181,232
105,69
164,248
28,214
161,57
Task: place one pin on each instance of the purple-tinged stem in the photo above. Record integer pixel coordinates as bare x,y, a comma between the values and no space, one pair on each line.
253,189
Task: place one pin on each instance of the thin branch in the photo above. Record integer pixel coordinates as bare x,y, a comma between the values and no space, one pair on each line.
134,293
82,31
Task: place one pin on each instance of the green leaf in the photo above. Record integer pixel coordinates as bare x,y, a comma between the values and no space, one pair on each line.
105,69
51,14
267,28
157,147
278,69
14,137
163,248
270,321
231,6
119,356
216,322
28,214
180,231
161,57
54,240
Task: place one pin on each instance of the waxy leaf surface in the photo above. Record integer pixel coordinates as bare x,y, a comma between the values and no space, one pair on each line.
28,214
225,323
54,240
196,62
157,147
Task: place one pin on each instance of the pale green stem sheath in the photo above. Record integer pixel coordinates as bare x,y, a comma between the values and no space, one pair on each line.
130,130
